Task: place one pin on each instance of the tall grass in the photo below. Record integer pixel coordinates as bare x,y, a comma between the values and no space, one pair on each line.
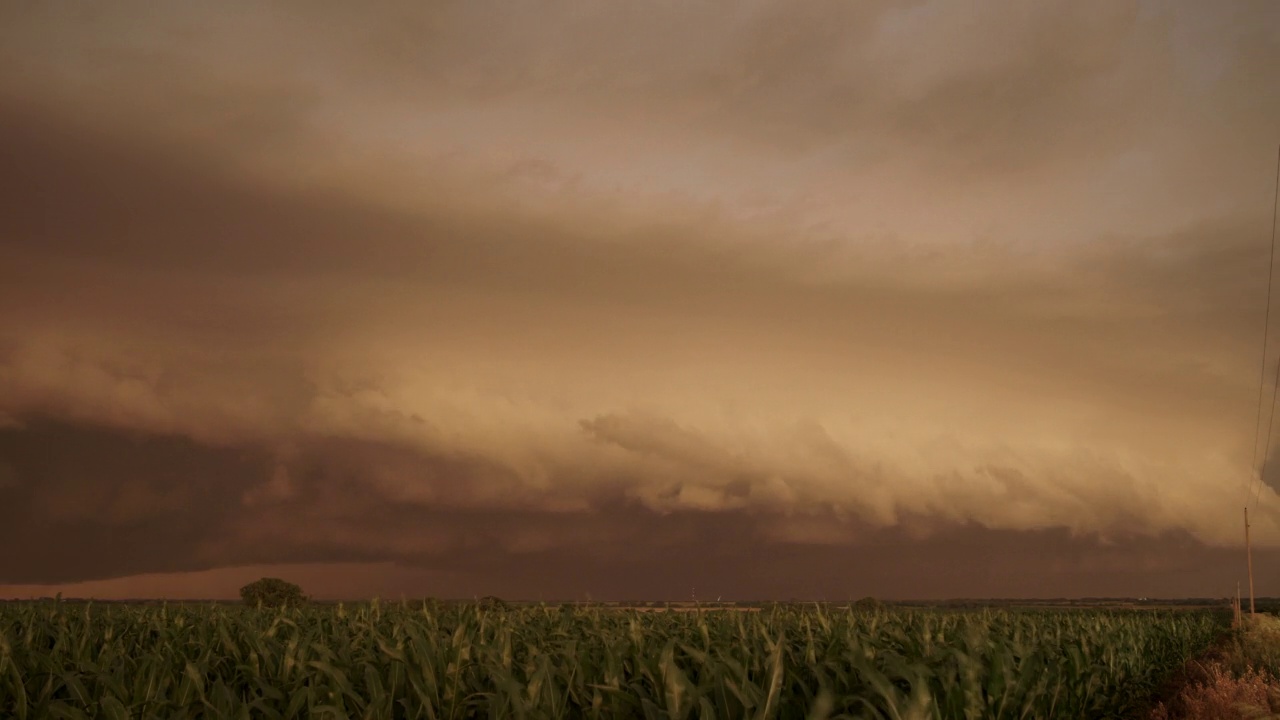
62,661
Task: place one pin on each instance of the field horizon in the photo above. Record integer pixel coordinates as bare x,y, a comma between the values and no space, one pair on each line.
1082,602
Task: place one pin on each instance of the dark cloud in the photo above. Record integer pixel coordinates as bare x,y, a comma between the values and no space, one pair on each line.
207,344
87,502
93,503
530,301
76,193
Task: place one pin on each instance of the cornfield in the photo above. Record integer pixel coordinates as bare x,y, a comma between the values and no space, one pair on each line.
59,660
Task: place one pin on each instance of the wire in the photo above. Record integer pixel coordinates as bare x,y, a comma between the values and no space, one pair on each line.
1266,454
1275,204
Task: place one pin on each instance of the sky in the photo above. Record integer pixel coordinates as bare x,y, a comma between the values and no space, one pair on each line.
803,299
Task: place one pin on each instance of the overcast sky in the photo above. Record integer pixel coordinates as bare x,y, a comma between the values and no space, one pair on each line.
567,299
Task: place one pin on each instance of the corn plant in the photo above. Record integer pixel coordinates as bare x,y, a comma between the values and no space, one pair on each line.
60,660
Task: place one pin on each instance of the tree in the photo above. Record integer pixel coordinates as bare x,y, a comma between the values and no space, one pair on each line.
868,603
272,592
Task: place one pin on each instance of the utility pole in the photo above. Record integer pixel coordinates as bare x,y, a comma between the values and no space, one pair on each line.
1236,607
1248,550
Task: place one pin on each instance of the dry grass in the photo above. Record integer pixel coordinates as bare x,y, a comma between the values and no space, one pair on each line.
1242,682
1222,694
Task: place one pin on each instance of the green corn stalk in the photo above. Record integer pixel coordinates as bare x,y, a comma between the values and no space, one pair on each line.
398,661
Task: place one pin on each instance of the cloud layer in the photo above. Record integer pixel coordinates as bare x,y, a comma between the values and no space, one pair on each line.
477,293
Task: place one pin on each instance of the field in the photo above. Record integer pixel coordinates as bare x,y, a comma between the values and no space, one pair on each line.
64,660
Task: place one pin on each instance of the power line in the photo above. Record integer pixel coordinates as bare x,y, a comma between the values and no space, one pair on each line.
1266,450
1275,204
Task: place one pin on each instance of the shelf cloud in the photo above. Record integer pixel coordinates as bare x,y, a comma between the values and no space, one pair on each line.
467,298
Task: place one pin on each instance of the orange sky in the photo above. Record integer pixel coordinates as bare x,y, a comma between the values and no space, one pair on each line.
791,299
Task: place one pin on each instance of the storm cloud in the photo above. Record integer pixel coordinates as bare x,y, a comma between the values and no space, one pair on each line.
771,296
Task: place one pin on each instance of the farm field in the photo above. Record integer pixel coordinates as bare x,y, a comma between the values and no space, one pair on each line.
65,660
